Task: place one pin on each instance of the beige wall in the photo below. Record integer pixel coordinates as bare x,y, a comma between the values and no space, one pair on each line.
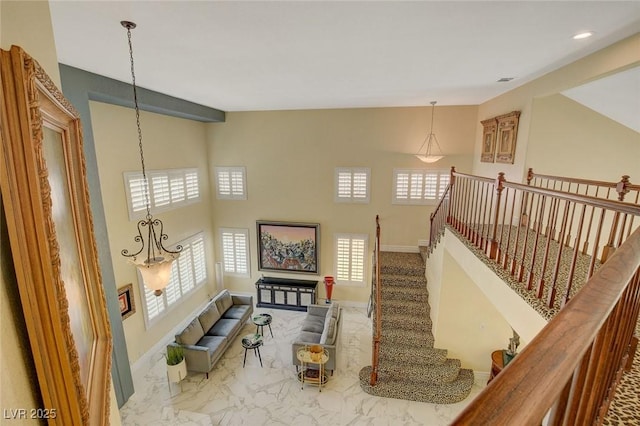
570,139
618,57
290,157
168,143
28,24
469,326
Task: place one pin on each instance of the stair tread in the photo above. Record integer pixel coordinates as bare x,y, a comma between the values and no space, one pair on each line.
420,372
435,393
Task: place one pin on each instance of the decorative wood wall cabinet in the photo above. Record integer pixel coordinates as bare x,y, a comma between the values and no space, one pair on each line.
499,138
490,129
506,138
46,200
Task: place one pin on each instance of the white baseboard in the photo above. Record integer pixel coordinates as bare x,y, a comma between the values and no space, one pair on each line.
423,243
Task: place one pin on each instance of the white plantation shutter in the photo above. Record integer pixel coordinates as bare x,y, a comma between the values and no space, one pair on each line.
418,186
172,291
191,184
361,185
188,272
415,186
344,185
223,183
185,267
231,183
343,260
177,188
169,189
352,185
199,263
135,186
430,186
237,182
358,249
155,305
235,251
350,254
401,187
160,190
443,182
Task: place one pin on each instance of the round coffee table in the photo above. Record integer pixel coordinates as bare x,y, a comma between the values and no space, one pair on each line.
252,341
260,320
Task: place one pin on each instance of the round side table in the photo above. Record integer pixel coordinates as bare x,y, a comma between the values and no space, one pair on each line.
309,375
260,320
252,341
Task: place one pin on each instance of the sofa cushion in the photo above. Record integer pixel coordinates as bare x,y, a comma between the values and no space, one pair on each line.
223,301
191,334
237,312
309,337
224,327
214,344
209,316
313,323
335,310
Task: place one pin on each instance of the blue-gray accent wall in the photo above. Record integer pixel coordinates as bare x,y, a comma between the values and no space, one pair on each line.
80,87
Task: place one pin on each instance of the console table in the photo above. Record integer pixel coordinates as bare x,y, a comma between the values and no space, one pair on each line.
285,293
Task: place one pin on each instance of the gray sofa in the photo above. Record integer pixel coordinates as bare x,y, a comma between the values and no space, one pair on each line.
206,338
321,326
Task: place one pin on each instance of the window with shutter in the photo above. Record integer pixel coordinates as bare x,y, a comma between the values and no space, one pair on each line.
352,185
350,258
231,183
419,186
235,251
187,273
169,189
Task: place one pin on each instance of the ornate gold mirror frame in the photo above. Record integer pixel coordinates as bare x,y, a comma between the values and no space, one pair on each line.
46,199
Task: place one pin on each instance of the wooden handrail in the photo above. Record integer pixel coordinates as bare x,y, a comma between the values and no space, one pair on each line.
517,226
622,187
565,365
377,333
570,370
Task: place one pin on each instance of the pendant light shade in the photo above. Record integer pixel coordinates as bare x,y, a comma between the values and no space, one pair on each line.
429,155
155,268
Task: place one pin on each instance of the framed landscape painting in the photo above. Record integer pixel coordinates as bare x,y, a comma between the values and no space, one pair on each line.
288,246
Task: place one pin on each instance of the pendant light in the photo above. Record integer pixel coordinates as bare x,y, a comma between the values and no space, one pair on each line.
153,260
429,156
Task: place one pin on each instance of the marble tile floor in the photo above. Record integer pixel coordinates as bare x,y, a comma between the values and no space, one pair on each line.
271,395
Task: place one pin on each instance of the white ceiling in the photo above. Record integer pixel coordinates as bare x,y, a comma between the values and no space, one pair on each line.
266,55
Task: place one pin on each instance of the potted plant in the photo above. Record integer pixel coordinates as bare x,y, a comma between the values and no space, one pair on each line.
176,365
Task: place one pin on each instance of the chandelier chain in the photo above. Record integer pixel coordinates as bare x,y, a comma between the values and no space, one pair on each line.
137,109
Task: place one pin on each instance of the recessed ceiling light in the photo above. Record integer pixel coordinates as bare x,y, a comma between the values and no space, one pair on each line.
584,34
505,79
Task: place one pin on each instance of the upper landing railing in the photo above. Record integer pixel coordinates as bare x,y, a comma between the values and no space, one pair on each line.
543,238
563,247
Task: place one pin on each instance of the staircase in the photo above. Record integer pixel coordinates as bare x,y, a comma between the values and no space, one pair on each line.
410,367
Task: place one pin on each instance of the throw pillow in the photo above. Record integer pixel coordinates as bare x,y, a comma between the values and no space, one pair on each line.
223,301
192,334
209,316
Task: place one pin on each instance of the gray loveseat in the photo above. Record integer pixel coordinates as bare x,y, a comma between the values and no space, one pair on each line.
321,326
206,338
